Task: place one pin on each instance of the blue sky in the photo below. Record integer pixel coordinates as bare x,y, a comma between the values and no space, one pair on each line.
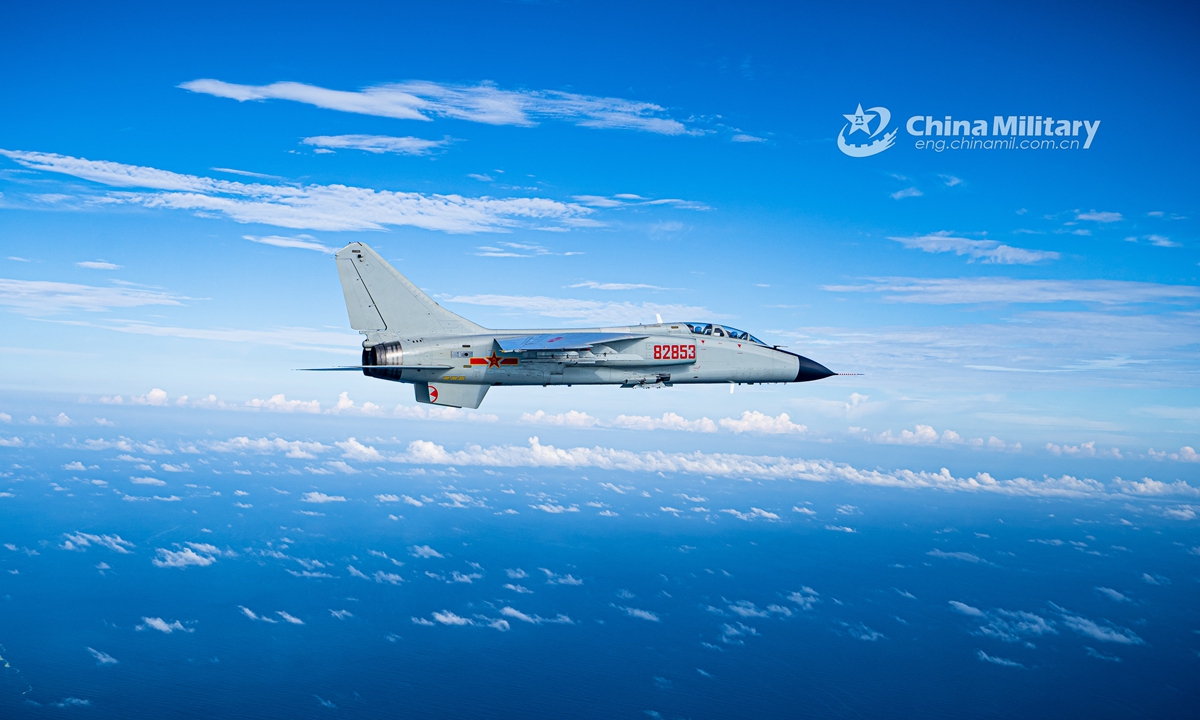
171,179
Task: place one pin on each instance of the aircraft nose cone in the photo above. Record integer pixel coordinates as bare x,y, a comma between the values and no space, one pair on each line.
811,370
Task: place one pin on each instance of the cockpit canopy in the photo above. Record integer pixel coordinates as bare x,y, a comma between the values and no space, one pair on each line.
722,331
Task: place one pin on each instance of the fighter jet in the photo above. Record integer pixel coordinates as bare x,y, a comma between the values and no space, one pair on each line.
453,362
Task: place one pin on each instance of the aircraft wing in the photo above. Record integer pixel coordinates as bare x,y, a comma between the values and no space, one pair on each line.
560,341
357,368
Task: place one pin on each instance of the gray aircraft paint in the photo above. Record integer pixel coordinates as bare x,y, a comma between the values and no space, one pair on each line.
451,361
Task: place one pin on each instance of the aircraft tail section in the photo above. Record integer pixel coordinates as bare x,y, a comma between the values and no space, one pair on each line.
379,298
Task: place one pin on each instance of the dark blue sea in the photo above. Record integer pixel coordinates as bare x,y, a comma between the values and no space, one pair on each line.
227,592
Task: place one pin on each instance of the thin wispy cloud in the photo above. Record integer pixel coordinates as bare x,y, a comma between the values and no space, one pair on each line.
300,242
42,297
623,200
483,103
999,290
308,207
377,144
987,251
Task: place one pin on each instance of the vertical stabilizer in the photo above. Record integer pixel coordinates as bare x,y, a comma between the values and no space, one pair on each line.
380,298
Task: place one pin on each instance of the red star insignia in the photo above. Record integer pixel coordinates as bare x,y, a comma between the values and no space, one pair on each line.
493,360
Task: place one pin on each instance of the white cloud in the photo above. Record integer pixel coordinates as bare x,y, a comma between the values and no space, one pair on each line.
534,619
753,514
668,421
182,558
999,290
572,418
1097,631
156,623
964,556
966,609
320,497
1003,662
446,617
146,481
289,617
300,242
553,578
424,551
291,448
311,207
906,193
387,498
1103,217
354,450
81,541
102,658
988,251
483,103
346,406
592,285
98,265
341,614
744,138
1149,487
278,403
753,421
1112,594
630,200
639,613
536,454
40,297
377,144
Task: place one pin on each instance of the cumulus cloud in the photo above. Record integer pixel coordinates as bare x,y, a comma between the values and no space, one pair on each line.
82,540
987,251
553,578
753,421
424,551
290,448
182,558
753,514
279,403
288,617
320,497
571,418
157,623
483,103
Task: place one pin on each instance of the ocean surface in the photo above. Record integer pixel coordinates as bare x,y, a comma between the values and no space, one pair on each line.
252,584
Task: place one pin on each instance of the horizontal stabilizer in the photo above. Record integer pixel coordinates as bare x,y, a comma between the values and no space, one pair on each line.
561,341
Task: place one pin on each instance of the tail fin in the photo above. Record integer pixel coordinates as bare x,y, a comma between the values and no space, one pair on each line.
380,298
